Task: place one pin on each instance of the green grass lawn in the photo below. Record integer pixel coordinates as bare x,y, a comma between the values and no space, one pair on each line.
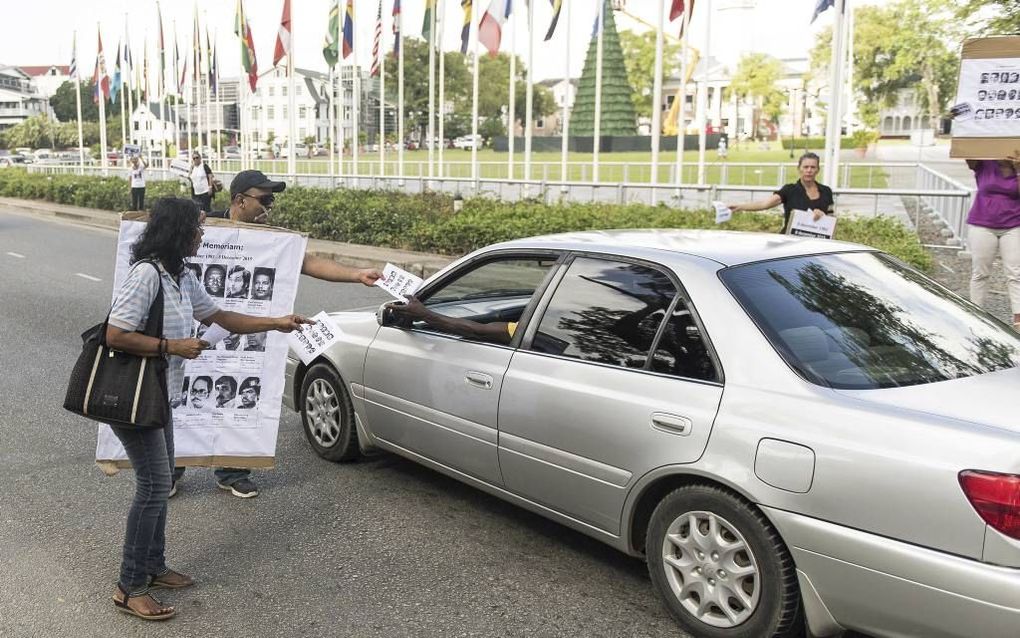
630,167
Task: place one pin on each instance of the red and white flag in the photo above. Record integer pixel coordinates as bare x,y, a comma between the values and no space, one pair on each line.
283,35
376,42
101,80
490,28
676,10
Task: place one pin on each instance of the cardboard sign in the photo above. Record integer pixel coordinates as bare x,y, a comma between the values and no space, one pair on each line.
986,112
311,341
180,168
802,223
723,213
398,283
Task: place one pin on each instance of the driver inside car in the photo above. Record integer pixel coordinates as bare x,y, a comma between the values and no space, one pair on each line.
496,332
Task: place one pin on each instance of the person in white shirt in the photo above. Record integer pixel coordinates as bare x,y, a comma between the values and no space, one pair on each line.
202,183
137,176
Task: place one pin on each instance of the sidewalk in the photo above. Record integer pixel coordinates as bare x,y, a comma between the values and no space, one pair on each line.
421,264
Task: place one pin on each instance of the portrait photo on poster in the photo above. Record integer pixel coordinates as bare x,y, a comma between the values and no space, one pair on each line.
249,393
200,397
180,399
263,279
226,392
215,279
255,342
238,282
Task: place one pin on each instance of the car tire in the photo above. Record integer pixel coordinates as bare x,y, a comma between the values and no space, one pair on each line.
327,415
721,568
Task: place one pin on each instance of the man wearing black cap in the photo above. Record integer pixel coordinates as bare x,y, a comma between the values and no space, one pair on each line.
251,199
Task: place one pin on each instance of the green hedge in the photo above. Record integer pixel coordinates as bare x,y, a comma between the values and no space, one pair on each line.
427,222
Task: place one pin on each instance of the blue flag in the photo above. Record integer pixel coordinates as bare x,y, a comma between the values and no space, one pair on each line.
820,7
115,85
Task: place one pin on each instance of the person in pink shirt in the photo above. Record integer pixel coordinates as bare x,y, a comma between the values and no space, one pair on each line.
994,228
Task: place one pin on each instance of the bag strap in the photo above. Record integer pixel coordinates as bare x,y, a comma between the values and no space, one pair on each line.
155,329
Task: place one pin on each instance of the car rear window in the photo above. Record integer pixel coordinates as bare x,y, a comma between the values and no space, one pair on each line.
863,320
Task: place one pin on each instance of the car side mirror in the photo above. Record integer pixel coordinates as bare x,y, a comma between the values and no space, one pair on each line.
384,316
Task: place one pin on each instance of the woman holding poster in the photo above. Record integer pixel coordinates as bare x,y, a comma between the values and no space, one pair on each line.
173,234
804,194
993,228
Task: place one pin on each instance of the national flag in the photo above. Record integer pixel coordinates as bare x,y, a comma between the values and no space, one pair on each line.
99,78
595,25
820,7
214,71
161,44
376,42
490,29
243,31
331,44
128,67
557,5
429,20
73,71
115,85
348,45
396,28
676,10
283,35
465,31
145,74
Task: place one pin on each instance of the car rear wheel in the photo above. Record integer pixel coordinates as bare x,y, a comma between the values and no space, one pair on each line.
721,568
328,415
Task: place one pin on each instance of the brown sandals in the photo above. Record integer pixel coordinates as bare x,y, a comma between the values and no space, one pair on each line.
163,613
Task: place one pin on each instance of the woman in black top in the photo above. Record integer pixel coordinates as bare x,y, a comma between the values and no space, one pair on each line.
804,194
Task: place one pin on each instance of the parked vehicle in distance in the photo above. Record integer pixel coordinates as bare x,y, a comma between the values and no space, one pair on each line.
232,152
411,145
8,159
788,431
468,142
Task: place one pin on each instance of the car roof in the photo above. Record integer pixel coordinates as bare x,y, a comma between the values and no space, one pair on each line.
727,248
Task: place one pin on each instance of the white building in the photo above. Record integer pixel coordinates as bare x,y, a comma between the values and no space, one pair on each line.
148,130
47,79
902,117
19,98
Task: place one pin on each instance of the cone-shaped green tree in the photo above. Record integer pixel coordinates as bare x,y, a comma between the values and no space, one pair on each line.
618,116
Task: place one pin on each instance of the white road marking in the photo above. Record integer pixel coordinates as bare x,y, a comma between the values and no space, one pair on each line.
18,255
84,276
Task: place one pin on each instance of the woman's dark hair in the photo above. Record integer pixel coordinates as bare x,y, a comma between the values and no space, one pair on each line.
170,233
808,155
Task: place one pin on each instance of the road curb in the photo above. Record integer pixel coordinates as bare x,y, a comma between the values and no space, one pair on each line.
359,255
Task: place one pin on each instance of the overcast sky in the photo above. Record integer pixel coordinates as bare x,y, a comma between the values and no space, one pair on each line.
44,29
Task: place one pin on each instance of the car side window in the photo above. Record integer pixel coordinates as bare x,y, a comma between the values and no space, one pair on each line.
605,311
681,348
498,290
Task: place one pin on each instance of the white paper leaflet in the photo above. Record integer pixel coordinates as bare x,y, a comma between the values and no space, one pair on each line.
398,283
312,341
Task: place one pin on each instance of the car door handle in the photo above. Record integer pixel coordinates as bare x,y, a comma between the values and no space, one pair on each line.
479,380
671,423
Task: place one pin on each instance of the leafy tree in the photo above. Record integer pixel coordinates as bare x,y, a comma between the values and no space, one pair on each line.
63,103
309,142
35,132
457,83
639,56
490,128
907,44
457,125
617,110
756,79
989,17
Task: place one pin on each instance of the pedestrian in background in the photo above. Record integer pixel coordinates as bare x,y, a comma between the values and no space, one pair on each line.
805,194
993,228
172,235
137,176
203,183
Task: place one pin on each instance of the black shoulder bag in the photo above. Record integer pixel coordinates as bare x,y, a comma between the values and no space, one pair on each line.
117,388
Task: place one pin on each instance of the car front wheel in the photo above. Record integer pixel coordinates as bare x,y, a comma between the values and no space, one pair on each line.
721,568
328,415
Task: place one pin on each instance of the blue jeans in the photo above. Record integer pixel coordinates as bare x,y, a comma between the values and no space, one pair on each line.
151,452
225,475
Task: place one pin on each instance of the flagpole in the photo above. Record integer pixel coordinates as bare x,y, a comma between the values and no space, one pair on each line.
291,103
565,132
848,95
431,138
77,102
100,72
148,95
511,103
127,79
400,96
339,106
219,107
123,128
356,94
329,131
657,100
382,95
703,118
161,88
597,141
474,101
441,110
681,124
832,141
529,93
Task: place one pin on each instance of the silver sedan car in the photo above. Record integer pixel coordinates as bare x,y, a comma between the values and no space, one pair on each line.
790,432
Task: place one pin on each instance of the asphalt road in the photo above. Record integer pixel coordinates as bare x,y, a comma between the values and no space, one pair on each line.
378,548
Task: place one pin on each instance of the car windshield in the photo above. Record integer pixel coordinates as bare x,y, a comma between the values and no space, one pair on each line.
863,321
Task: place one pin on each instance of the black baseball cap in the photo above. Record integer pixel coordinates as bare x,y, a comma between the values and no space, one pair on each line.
254,179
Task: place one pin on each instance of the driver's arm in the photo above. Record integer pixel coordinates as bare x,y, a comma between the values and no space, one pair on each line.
496,332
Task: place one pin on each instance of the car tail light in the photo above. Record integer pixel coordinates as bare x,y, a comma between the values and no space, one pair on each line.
996,497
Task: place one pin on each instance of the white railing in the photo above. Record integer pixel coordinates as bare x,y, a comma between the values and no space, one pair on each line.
945,204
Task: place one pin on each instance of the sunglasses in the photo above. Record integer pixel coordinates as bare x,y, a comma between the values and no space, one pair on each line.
266,200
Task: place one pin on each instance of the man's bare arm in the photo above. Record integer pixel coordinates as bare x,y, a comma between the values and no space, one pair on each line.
329,270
